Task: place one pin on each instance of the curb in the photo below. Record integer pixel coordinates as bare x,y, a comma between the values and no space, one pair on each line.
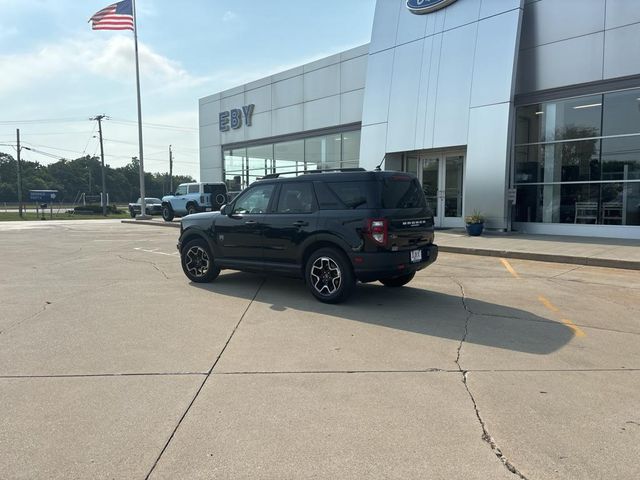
152,223
544,257
483,252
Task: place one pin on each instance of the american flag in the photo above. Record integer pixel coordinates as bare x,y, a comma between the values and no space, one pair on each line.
118,16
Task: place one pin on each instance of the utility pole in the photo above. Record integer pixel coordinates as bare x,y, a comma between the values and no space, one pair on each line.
170,171
19,173
103,200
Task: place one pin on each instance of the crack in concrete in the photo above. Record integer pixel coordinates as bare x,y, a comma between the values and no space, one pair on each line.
166,445
321,372
101,375
564,273
21,321
147,262
584,282
602,296
486,436
17,323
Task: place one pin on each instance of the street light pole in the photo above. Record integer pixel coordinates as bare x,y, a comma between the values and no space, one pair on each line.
143,211
170,171
99,118
19,173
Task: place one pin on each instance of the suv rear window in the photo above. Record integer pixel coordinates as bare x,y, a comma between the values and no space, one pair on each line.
401,191
344,195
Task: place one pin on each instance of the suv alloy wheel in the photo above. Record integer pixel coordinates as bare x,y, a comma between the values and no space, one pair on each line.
191,209
197,262
329,275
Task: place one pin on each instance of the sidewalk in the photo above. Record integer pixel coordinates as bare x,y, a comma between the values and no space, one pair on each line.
596,252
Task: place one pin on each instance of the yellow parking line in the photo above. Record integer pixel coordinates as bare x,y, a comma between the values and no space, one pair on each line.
509,268
574,327
547,303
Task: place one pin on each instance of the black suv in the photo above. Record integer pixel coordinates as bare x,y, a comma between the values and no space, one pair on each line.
329,227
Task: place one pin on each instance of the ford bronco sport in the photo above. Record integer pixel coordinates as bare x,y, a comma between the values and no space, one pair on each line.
331,228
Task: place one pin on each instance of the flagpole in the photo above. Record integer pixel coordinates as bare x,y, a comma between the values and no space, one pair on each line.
143,210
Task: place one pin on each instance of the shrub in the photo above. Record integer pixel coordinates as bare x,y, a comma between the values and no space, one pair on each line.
477,217
94,209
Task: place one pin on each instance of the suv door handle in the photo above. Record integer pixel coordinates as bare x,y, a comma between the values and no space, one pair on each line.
250,222
300,223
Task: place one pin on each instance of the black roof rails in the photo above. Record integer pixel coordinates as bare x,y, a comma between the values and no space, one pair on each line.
327,170
275,175
353,169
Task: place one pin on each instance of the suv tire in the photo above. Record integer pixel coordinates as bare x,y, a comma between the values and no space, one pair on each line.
329,275
191,209
132,213
197,262
167,213
398,281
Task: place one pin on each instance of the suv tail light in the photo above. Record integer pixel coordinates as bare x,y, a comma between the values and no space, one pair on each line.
378,230
201,199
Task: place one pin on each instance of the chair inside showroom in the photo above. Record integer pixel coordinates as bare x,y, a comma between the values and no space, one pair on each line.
612,213
586,212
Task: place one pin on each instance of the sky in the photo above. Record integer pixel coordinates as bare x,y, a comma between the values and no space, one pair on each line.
56,73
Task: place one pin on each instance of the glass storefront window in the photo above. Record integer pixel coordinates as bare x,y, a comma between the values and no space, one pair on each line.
260,161
583,203
621,158
621,113
593,180
323,152
529,124
351,149
558,162
561,120
242,166
289,157
234,161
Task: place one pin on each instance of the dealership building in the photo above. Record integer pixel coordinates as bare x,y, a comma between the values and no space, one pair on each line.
527,111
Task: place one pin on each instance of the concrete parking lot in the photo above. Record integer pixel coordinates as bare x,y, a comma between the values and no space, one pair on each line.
112,365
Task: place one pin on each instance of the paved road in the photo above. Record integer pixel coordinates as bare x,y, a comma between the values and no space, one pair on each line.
113,366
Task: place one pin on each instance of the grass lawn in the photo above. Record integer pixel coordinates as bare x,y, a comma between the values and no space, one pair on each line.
13,216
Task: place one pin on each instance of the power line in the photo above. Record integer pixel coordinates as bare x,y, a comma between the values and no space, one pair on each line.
36,149
89,140
156,125
43,120
54,133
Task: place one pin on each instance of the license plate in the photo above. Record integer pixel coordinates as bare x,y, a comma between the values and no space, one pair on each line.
416,256
208,209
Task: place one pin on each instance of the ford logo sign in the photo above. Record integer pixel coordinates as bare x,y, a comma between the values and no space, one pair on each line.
427,6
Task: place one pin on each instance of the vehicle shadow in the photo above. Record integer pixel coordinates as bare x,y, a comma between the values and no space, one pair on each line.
410,309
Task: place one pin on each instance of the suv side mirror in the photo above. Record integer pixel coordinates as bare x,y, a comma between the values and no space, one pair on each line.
226,209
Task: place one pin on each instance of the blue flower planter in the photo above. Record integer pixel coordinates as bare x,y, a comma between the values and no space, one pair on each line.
475,229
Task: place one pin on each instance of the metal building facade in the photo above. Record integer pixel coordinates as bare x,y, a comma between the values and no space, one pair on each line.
489,102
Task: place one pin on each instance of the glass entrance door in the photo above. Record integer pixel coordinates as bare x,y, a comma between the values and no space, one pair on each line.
442,178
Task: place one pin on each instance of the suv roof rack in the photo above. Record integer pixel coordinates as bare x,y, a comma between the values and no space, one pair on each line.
275,175
327,170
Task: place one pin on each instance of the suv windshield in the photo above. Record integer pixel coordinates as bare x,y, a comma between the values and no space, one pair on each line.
402,191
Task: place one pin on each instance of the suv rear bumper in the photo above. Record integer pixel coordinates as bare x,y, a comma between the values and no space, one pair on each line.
375,266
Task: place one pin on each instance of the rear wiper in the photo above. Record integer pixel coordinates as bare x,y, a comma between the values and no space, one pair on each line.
356,204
